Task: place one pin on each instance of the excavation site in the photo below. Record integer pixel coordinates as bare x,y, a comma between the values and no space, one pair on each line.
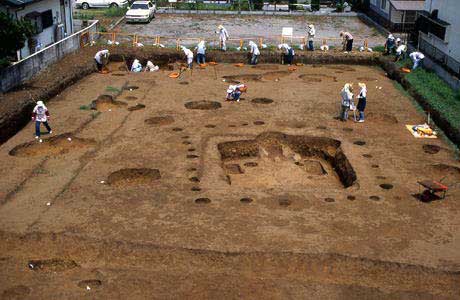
153,187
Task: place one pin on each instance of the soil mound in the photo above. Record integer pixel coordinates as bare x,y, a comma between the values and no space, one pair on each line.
56,145
262,100
106,102
160,120
203,104
128,177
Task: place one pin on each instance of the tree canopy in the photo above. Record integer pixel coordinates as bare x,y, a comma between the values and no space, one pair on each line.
13,34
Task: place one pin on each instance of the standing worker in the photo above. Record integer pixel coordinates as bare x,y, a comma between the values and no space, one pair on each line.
288,53
40,115
223,37
101,59
362,101
417,58
201,52
255,53
390,44
347,101
311,35
189,56
347,41
400,50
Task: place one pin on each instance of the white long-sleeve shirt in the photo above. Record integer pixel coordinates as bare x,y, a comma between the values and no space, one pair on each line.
99,54
223,34
401,49
200,48
254,49
416,56
311,34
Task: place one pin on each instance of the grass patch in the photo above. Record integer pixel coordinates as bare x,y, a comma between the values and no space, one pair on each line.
115,12
379,49
438,94
85,107
112,89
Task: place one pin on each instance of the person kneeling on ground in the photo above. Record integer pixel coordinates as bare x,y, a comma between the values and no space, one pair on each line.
417,58
136,66
347,41
390,44
201,52
150,67
288,55
40,115
255,53
188,56
347,101
101,59
362,101
234,92
400,50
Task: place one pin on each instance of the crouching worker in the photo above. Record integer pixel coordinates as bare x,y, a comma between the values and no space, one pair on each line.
234,92
347,101
201,53
400,50
288,53
101,58
150,67
188,56
40,115
417,58
255,53
136,66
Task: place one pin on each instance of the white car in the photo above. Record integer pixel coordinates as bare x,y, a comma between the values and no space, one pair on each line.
85,4
141,11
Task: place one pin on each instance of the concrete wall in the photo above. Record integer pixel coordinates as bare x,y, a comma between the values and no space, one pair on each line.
449,12
25,69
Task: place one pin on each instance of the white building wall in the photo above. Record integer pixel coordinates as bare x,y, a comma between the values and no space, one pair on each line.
449,12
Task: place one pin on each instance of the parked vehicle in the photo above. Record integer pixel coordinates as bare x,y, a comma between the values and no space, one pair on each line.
85,4
141,11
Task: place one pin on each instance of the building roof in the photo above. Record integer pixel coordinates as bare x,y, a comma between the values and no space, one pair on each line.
408,5
16,3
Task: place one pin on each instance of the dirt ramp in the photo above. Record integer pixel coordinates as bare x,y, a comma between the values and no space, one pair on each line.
133,177
56,145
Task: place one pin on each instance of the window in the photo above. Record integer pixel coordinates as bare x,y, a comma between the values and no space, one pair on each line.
384,4
35,19
47,18
435,27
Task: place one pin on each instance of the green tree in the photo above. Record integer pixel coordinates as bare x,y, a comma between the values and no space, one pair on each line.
258,4
13,34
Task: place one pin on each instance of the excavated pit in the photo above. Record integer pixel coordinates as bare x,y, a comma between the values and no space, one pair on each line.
52,265
91,283
448,173
138,106
236,79
55,145
275,75
314,77
160,120
203,105
265,67
431,149
16,292
366,79
262,100
381,117
106,102
313,155
133,177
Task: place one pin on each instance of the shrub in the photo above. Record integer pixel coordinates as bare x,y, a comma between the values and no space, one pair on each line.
115,12
315,4
258,4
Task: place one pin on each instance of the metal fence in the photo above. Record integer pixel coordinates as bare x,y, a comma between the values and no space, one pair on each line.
439,56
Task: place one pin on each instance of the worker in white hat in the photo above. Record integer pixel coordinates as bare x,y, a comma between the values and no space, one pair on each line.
234,92
255,53
417,58
189,56
223,37
101,59
288,53
40,115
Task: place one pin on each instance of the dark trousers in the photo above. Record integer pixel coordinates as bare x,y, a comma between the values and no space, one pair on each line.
254,59
200,58
98,65
289,57
37,127
310,46
349,45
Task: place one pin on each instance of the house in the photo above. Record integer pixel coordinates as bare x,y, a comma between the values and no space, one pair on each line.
52,20
438,28
396,16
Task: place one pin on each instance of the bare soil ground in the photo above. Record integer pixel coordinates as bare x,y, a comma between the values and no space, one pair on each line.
267,27
195,197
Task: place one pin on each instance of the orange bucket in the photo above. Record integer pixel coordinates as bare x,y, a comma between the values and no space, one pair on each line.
405,70
174,75
239,65
203,66
213,63
292,69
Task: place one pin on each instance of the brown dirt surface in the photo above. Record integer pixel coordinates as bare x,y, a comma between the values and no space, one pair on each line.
125,208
